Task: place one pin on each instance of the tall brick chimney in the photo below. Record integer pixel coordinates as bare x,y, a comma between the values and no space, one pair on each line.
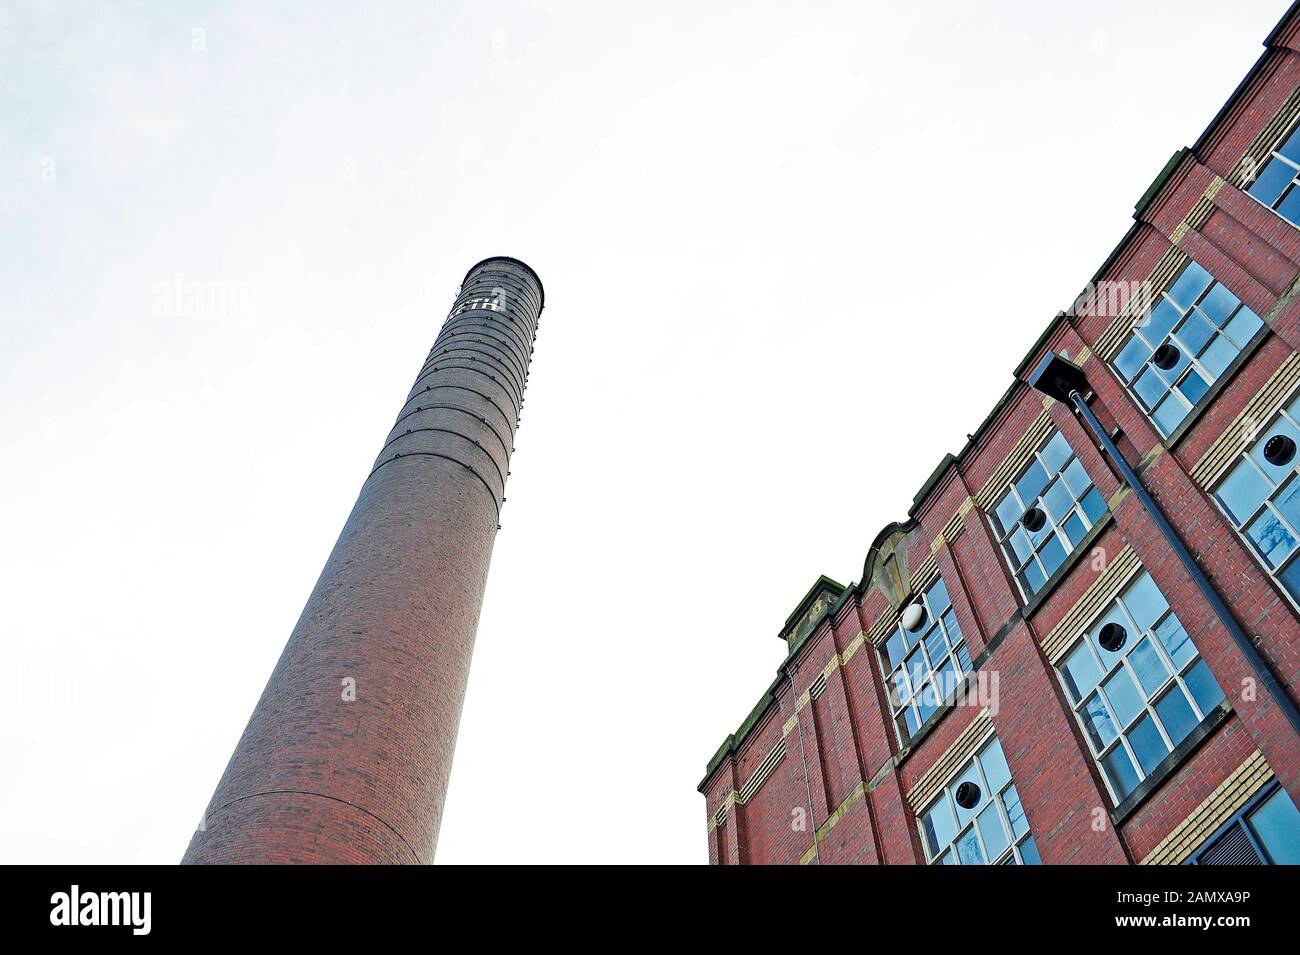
346,756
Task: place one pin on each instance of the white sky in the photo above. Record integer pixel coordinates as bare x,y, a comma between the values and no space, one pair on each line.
792,252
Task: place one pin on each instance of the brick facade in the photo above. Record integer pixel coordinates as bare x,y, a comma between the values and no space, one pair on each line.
828,710
346,756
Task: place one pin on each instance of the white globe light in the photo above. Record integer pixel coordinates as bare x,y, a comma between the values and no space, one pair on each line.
913,616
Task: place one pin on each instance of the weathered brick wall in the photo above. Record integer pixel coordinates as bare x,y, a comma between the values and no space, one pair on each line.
319,777
860,774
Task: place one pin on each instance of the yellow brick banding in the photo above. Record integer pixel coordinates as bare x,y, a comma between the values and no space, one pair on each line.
962,748
1266,403
926,573
1013,462
778,752
858,792
880,629
1157,281
1121,568
1268,139
1229,796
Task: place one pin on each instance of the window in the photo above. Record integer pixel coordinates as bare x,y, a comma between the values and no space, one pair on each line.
1275,186
1265,832
1137,684
1261,496
1182,346
1064,505
923,666
978,819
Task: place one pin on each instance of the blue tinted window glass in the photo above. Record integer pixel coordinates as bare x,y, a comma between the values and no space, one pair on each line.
1058,500
1289,207
937,596
1056,452
1290,578
1147,744
1150,669
1031,483
1029,852
1175,641
1274,541
1077,478
1159,321
1075,530
995,766
1195,332
1176,715
1189,285
894,648
1275,177
1291,148
1093,506
1097,722
1243,327
1150,386
1170,413
1008,512
1123,696
1219,303
937,826
927,703
1119,770
936,646
1020,546
993,832
1032,577
1145,601
1015,812
902,689
1219,355
1277,826
1132,357
911,721
1205,690
1288,502
1193,387
968,849
1052,555
1243,491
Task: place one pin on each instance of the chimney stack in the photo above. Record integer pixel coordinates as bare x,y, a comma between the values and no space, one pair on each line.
347,754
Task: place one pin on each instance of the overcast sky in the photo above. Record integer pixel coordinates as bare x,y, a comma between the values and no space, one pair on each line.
792,252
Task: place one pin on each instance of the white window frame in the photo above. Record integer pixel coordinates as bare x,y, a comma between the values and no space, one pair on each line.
1174,681
954,645
1275,154
1015,843
1053,527
1174,379
1245,456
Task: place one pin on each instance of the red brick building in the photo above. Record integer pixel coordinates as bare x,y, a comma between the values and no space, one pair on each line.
1026,672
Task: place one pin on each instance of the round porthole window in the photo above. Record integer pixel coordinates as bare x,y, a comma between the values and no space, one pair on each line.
1112,637
1166,356
914,616
1279,450
967,795
1033,519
